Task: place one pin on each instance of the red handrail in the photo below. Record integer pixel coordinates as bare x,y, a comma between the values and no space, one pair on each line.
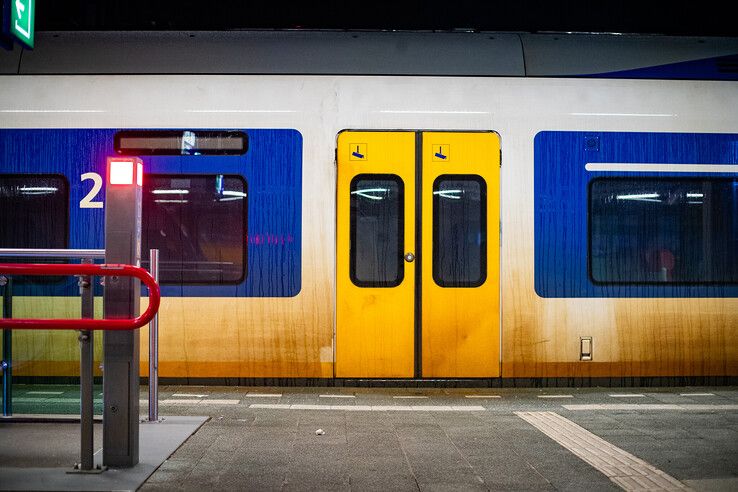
84,269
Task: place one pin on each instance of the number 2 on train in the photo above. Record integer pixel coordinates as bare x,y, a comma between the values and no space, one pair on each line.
97,183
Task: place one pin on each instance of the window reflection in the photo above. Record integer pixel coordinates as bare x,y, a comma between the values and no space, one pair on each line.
34,213
376,230
651,230
198,223
176,142
459,231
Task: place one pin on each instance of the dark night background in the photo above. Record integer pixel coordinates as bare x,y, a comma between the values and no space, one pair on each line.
700,18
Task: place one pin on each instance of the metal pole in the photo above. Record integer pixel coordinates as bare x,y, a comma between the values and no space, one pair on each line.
154,346
86,361
51,253
7,361
121,300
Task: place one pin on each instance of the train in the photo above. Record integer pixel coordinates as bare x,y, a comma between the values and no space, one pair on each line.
391,207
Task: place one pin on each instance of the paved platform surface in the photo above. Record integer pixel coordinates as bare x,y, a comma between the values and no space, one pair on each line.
454,439
408,439
37,456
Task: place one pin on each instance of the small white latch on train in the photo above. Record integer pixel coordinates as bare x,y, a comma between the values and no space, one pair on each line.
585,348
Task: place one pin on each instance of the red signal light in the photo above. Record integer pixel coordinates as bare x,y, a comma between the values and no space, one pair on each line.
125,171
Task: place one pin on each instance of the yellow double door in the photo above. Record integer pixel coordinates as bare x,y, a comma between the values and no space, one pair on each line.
417,255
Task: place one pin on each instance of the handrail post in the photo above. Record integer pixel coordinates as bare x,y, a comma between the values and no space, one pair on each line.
7,360
154,346
86,381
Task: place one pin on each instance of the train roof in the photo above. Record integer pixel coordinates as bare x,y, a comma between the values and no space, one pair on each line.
377,53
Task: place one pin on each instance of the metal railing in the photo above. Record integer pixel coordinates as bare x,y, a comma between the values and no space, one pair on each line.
86,271
114,271
87,256
82,254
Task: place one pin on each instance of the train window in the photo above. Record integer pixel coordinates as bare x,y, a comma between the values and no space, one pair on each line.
377,218
199,225
35,211
459,230
177,142
35,214
663,231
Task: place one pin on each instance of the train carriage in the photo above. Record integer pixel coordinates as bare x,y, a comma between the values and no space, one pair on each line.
490,208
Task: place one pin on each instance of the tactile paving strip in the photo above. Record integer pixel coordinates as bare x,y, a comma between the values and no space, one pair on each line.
627,471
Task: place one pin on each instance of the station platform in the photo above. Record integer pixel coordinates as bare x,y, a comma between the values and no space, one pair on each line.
266,438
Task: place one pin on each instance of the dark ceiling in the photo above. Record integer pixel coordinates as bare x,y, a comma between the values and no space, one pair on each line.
701,18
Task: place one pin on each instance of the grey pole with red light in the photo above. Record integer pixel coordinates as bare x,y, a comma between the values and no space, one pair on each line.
121,352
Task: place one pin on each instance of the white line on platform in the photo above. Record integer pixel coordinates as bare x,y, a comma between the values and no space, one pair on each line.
337,396
45,393
627,471
371,408
482,396
627,395
22,399
187,395
65,417
649,406
264,395
410,397
696,394
555,396
182,401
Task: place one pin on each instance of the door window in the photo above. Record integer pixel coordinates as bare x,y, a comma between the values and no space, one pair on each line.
377,202
459,231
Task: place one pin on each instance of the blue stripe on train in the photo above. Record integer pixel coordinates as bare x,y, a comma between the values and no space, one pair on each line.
717,68
561,186
272,167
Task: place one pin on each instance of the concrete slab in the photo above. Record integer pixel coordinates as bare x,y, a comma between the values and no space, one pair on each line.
41,445
158,442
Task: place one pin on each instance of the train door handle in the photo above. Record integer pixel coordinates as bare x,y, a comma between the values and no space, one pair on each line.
409,257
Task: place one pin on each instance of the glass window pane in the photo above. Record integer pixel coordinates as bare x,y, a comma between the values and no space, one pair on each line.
175,142
663,230
34,213
377,202
459,231
198,223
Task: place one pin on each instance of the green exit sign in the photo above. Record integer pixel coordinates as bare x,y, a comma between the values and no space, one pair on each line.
22,14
